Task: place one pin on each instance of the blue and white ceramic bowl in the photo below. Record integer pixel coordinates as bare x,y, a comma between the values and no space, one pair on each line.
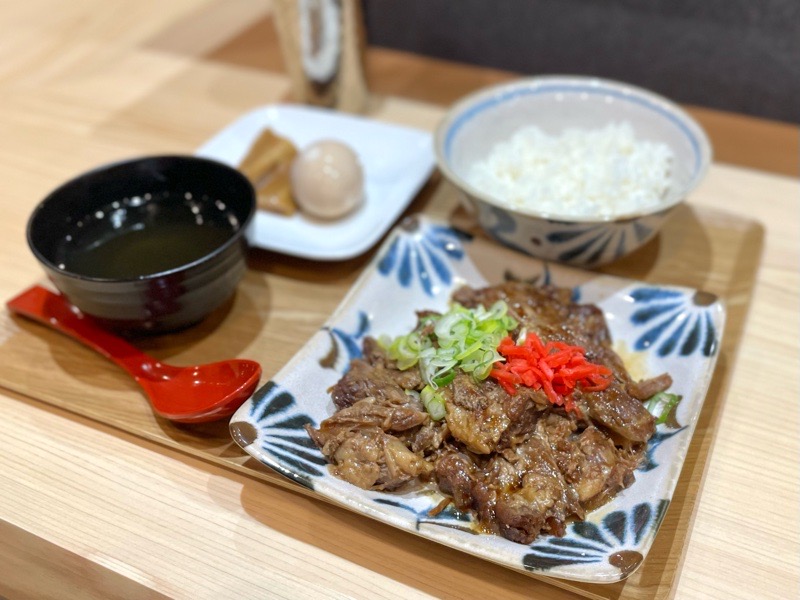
474,125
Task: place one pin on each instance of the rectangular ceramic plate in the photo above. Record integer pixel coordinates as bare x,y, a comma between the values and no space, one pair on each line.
655,329
396,162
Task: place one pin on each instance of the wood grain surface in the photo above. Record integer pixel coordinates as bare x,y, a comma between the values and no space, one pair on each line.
100,499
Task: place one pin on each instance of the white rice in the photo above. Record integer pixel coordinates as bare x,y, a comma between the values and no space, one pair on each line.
599,172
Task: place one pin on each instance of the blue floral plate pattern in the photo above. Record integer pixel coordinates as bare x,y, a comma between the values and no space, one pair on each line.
655,329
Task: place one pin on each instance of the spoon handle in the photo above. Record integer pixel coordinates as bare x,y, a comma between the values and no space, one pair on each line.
53,310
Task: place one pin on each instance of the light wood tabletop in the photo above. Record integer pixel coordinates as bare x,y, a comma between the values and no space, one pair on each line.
99,499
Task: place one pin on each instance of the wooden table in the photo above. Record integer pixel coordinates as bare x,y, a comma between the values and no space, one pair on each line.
90,509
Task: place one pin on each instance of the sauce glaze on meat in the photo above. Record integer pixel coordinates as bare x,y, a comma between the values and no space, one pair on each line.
521,465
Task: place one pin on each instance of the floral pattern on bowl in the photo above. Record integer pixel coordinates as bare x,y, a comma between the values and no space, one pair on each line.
556,103
579,244
422,262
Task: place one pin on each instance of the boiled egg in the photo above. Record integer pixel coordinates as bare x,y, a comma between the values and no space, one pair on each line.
327,180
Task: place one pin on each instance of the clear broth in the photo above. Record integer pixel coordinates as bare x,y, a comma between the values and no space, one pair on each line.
144,235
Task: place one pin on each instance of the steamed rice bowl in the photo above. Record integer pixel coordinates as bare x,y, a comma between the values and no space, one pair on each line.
604,172
577,170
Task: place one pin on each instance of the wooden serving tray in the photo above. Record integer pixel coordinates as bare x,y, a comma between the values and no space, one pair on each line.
283,301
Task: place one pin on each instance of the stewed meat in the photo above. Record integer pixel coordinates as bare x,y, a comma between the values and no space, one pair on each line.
522,464
620,412
373,459
642,390
363,380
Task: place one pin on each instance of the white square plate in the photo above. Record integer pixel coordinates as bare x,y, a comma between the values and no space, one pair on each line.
655,329
396,161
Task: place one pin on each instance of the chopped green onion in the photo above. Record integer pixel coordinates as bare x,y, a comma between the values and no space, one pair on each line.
405,350
471,350
661,404
461,337
444,379
433,402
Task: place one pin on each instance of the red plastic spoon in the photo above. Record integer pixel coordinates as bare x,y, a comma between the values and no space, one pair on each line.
185,394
